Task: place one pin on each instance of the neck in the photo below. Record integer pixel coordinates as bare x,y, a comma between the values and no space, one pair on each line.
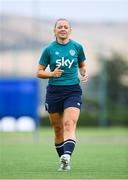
62,41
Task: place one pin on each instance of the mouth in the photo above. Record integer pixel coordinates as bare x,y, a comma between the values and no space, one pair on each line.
63,33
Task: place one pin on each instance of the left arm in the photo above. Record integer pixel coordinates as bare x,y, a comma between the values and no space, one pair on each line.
83,71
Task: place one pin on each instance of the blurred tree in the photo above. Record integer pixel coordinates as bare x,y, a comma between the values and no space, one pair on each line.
117,87
106,95
116,69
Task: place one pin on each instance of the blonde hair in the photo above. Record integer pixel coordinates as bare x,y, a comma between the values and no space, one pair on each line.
61,19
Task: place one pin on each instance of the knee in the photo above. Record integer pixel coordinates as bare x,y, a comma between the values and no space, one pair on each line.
58,130
69,124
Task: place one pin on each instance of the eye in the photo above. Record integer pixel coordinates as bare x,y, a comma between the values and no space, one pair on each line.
66,27
59,27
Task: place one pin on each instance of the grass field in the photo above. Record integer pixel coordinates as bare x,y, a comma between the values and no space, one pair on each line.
99,154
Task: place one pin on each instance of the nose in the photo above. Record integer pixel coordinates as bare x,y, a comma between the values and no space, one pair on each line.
63,29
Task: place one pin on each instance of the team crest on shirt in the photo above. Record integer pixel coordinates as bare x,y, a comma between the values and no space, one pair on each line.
72,52
56,53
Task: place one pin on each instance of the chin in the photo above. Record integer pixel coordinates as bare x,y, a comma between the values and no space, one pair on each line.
63,37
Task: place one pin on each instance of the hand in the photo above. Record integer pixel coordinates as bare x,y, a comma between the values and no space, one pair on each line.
84,75
84,78
57,72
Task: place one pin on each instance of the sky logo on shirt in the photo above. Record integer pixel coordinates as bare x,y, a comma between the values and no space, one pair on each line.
64,62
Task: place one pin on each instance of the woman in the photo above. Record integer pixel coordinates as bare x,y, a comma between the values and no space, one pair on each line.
63,98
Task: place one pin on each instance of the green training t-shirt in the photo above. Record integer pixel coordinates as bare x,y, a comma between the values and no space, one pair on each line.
67,57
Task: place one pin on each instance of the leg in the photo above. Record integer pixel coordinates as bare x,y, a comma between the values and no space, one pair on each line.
57,123
70,119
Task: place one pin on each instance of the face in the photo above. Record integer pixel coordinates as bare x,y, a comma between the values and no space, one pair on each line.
62,29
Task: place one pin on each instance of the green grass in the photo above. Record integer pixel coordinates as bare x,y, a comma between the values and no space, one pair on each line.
99,154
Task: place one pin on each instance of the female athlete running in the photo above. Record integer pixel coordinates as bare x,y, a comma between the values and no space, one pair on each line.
63,98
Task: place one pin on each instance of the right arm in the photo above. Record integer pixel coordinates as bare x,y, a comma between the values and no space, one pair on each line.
43,74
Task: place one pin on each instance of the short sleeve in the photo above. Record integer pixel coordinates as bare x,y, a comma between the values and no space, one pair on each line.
81,54
45,57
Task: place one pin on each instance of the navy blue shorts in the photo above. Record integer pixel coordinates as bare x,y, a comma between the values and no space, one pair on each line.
59,98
